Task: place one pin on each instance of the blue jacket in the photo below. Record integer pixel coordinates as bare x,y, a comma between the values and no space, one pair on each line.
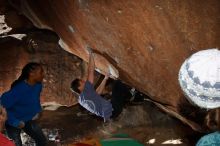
22,102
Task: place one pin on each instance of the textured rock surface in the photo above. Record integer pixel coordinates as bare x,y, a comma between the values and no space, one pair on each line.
13,19
60,66
146,40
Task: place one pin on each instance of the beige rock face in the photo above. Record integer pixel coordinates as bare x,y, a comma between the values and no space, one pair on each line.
145,40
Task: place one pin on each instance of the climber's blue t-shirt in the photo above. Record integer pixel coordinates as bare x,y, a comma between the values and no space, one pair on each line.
22,102
94,103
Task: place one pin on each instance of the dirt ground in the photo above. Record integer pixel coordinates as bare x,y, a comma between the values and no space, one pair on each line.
145,123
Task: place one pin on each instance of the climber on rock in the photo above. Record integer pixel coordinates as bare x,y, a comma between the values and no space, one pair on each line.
92,100
89,98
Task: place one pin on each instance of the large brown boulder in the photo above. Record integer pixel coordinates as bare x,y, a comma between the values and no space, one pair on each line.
146,40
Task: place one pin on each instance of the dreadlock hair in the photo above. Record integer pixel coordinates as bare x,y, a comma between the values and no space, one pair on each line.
25,72
75,85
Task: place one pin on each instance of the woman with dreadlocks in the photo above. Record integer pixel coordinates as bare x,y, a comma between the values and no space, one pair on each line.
22,103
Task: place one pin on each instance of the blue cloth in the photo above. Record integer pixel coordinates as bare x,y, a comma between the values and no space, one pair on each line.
94,103
212,139
22,102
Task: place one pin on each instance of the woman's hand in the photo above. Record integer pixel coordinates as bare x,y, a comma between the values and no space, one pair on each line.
3,115
36,116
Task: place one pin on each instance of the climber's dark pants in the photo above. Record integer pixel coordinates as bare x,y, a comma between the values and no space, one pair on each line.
120,93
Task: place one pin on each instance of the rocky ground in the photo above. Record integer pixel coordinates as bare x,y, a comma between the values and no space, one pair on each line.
145,123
